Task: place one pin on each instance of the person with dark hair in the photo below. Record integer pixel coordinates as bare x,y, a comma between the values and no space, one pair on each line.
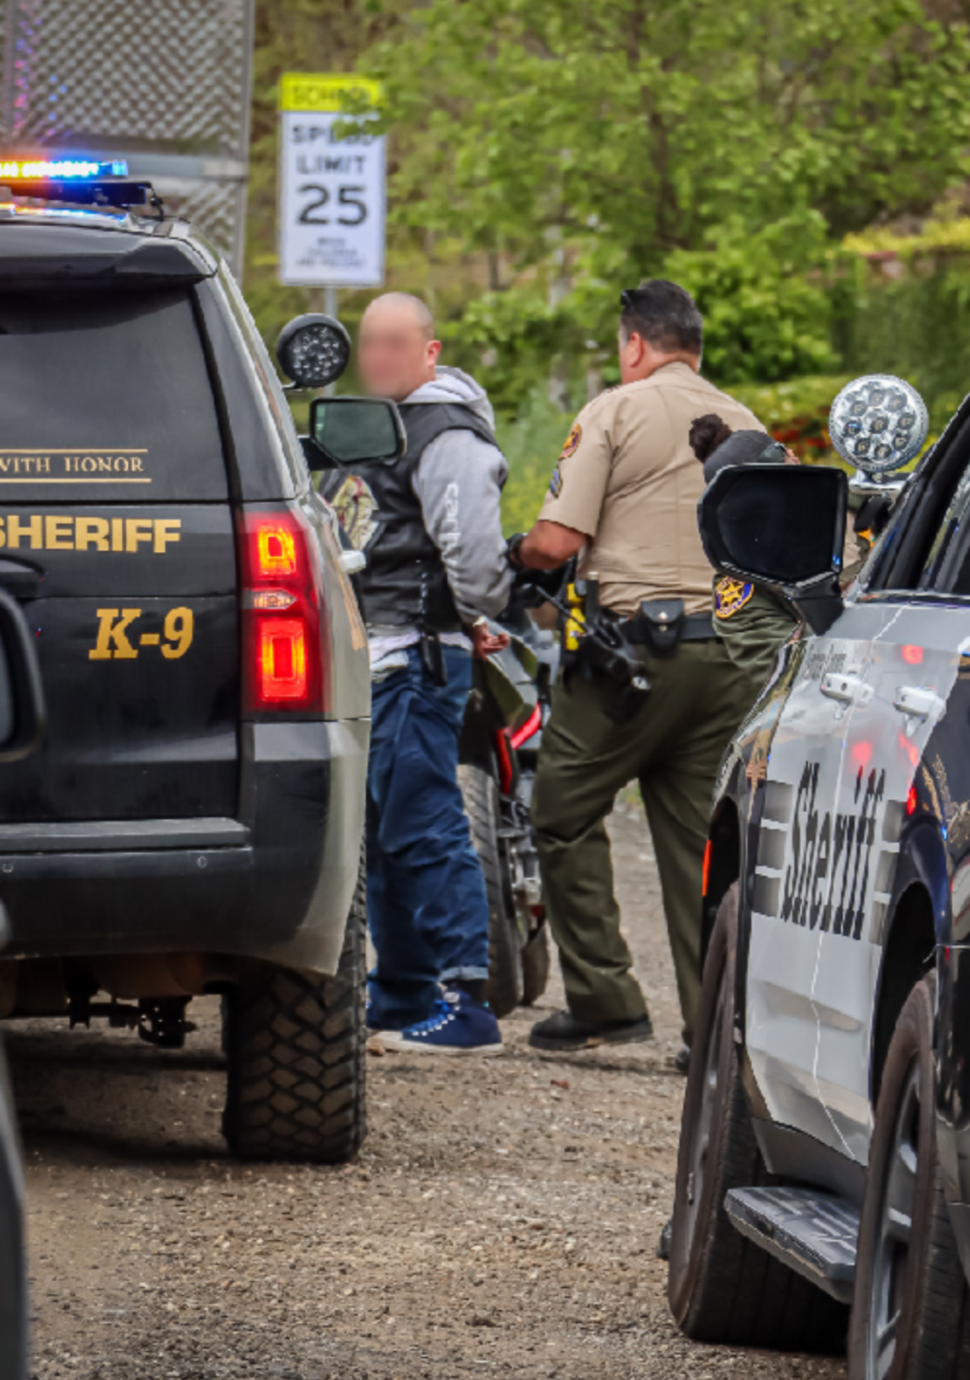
623,499
753,620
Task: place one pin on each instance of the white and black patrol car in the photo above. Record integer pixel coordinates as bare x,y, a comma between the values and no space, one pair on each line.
191,821
825,1150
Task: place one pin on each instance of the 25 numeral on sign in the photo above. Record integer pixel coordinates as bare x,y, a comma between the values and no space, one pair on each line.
344,198
117,640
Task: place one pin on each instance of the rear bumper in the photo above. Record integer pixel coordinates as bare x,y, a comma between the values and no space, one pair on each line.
275,885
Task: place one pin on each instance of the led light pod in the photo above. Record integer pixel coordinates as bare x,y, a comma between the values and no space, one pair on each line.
878,423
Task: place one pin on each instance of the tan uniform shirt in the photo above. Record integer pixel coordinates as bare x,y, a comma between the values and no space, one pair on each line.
628,478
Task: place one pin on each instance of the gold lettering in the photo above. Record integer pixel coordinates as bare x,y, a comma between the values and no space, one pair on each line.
3,534
91,531
121,464
70,465
88,464
111,632
137,530
60,536
117,534
44,464
16,529
104,463
136,464
166,530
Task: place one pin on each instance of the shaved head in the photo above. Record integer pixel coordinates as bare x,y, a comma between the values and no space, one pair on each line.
406,302
396,349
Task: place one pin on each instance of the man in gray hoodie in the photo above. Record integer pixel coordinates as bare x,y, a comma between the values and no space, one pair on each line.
430,527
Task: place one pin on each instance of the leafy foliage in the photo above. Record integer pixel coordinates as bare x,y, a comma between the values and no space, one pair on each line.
731,144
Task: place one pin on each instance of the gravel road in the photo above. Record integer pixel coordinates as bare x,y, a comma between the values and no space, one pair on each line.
502,1217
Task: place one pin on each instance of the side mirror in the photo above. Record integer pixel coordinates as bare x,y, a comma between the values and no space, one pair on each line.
23,715
780,525
351,429
313,350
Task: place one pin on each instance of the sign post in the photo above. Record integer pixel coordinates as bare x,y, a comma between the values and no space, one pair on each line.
331,231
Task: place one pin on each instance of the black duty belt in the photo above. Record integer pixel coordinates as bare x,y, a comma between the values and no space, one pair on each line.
661,625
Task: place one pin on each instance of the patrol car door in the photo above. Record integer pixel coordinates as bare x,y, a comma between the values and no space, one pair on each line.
912,663
794,844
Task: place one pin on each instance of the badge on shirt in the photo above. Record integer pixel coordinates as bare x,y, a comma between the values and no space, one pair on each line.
730,595
572,441
555,483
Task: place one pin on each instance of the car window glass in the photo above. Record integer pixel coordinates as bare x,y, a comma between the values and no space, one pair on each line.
272,391
916,551
106,395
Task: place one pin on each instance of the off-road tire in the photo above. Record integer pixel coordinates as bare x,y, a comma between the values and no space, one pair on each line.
722,1287
535,967
480,793
932,1332
296,1051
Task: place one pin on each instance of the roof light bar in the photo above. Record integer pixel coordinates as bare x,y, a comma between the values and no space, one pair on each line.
59,169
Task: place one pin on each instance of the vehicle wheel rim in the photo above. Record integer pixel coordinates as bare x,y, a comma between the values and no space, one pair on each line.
701,1139
891,1264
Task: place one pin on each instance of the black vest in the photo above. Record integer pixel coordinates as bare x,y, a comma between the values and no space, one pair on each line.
404,584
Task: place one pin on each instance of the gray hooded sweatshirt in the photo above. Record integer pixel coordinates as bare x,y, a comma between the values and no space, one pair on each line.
458,482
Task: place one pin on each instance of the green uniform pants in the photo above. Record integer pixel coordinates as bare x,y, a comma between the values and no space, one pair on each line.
673,747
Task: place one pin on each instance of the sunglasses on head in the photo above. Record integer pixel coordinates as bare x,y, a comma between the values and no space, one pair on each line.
629,297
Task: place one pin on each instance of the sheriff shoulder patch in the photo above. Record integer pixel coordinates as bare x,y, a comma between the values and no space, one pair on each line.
572,441
731,595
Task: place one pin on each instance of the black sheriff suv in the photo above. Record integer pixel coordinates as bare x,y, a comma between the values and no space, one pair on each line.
191,822
823,1183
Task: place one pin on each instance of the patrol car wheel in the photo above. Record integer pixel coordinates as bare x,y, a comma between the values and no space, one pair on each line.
911,1311
296,1049
480,794
722,1287
535,967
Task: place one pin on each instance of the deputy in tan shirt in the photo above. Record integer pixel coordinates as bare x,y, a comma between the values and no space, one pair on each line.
623,497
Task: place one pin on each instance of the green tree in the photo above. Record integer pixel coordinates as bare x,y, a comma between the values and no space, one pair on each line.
575,148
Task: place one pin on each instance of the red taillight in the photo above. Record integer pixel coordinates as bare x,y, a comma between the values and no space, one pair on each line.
912,800
525,731
282,658
706,867
281,601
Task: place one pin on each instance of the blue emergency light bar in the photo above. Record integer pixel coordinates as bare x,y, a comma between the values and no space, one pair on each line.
81,181
59,170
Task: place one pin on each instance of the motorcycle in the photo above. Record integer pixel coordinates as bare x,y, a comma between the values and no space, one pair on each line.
498,753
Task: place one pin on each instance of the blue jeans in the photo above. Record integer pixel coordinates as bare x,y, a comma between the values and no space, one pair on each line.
426,904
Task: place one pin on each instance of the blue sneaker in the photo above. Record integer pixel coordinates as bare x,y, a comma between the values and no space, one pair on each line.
457,1025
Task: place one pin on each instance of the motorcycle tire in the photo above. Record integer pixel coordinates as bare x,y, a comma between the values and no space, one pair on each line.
480,793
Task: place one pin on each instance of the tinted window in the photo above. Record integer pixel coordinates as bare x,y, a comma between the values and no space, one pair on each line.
106,396
272,392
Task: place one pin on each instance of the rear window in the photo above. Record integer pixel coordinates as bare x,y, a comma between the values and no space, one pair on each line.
106,396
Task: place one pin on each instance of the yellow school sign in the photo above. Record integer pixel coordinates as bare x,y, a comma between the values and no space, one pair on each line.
325,92
331,216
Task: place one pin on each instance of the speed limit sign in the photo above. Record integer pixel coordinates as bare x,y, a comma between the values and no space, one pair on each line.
331,184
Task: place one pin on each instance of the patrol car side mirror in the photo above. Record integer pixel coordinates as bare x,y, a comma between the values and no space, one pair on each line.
348,430
313,350
23,715
781,525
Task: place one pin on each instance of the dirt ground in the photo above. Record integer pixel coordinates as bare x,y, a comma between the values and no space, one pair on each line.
502,1217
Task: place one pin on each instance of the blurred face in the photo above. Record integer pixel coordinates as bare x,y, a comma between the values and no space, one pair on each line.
394,355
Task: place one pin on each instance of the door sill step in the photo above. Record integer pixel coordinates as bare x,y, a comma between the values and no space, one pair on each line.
812,1232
